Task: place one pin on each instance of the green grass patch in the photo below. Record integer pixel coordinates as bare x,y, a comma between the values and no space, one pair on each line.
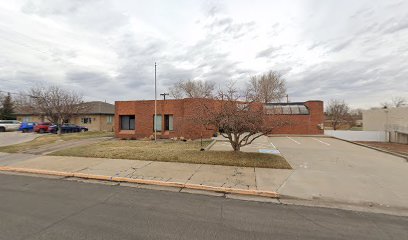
52,138
174,151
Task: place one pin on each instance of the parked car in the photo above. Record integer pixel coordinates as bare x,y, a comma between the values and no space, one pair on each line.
42,127
9,125
67,128
27,127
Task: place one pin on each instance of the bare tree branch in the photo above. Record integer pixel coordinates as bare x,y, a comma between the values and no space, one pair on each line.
56,104
338,112
192,89
266,88
241,122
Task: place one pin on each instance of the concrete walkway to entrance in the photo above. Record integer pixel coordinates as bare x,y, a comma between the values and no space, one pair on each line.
259,144
11,138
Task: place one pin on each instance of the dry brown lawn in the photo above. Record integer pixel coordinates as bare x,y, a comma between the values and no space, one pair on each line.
174,151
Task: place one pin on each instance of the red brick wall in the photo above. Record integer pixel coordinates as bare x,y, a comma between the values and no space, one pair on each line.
184,124
183,119
301,124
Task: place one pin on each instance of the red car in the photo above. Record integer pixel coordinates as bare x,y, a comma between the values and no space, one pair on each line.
42,127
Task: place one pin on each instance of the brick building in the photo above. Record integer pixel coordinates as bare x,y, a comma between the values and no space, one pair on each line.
97,116
175,118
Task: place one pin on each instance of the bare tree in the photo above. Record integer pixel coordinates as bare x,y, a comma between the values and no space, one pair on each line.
399,101
266,88
56,104
385,105
241,122
2,96
395,102
338,112
192,89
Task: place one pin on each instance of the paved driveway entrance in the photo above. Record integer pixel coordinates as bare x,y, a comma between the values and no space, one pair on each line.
327,168
10,138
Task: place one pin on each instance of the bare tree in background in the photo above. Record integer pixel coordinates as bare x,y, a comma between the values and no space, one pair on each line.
338,111
2,96
395,102
192,89
241,122
399,101
56,104
266,88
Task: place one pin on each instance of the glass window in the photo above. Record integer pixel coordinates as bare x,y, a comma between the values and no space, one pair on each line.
109,119
286,110
86,120
168,122
157,123
26,119
303,109
295,109
127,122
278,110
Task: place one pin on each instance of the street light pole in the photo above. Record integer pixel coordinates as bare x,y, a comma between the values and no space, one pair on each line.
155,103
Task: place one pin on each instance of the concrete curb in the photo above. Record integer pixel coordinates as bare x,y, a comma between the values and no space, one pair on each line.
259,193
375,148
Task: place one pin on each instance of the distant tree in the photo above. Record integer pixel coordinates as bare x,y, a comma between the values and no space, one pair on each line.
1,99
338,112
266,88
192,89
399,101
7,108
241,122
395,102
56,104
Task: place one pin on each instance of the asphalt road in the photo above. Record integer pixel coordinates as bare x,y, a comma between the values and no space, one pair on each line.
41,208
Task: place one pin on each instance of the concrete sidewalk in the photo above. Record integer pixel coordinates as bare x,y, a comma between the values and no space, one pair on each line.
210,175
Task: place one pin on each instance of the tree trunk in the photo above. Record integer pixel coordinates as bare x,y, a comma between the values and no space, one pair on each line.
59,125
235,146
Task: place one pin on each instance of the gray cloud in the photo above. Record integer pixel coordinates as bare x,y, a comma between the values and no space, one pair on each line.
268,52
351,50
94,15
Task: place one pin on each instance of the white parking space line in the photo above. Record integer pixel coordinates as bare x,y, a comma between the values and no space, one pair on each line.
293,140
273,145
328,144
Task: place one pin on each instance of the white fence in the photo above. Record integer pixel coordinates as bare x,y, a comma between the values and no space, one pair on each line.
369,136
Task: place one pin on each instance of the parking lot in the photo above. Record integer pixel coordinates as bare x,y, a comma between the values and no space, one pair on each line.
328,168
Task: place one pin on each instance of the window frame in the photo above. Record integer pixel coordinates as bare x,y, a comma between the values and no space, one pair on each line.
170,119
129,122
109,119
156,125
88,120
287,109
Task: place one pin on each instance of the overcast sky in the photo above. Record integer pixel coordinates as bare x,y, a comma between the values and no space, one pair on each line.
352,50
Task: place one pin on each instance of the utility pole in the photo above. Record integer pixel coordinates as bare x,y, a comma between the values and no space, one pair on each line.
287,98
164,95
155,103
